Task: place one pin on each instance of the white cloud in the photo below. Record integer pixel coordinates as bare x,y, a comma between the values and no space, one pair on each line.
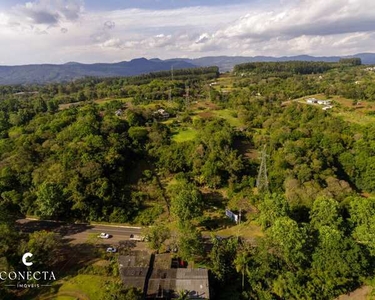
291,27
112,43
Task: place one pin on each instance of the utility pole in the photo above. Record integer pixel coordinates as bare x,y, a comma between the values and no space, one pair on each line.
262,180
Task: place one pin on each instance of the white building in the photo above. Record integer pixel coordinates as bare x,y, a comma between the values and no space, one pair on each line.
324,102
311,100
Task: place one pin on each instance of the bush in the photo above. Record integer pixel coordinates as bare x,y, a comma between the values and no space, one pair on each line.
149,215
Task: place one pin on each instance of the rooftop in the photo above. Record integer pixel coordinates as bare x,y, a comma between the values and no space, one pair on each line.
134,269
168,283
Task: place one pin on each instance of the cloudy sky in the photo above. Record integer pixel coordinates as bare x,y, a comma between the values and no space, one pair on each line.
59,31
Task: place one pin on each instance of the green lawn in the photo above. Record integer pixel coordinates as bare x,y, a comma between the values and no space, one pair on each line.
246,230
228,115
84,286
355,117
185,134
103,101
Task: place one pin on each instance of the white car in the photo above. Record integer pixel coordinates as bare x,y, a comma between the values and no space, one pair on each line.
111,250
104,235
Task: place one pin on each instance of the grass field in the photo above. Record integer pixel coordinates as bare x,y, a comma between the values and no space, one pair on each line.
90,287
355,117
247,230
98,101
103,101
185,134
228,115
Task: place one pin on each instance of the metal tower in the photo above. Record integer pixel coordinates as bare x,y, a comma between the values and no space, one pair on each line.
262,180
187,96
170,95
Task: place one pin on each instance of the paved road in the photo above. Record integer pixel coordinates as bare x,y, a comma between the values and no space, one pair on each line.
80,233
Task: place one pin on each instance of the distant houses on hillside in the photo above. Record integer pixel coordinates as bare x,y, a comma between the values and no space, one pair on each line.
119,112
327,103
316,101
161,114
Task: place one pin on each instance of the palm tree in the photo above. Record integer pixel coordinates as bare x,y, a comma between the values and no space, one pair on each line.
241,263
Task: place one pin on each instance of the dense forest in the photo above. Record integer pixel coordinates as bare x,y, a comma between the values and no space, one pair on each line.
113,158
289,68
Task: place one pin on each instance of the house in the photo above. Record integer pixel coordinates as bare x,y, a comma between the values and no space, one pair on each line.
169,278
119,112
168,283
161,277
134,269
327,107
161,114
311,100
324,102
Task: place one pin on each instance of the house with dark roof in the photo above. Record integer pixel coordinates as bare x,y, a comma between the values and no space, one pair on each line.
167,284
134,269
161,277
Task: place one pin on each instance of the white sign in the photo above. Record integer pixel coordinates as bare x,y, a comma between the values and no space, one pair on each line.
231,215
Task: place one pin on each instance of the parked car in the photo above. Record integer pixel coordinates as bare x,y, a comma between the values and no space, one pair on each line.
111,250
137,238
104,235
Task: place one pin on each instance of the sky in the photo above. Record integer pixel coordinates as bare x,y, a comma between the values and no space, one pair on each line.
89,31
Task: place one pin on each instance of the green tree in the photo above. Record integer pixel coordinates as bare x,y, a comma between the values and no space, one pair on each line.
187,202
50,200
115,290
324,212
337,264
271,208
222,257
190,243
289,241
44,246
362,218
157,235
241,263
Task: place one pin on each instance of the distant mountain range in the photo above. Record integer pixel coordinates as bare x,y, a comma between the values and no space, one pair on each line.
45,73
38,74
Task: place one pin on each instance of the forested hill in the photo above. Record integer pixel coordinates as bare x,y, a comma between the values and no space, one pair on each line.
226,63
47,73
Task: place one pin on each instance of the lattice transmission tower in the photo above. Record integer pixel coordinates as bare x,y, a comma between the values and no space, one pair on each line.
187,94
262,180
